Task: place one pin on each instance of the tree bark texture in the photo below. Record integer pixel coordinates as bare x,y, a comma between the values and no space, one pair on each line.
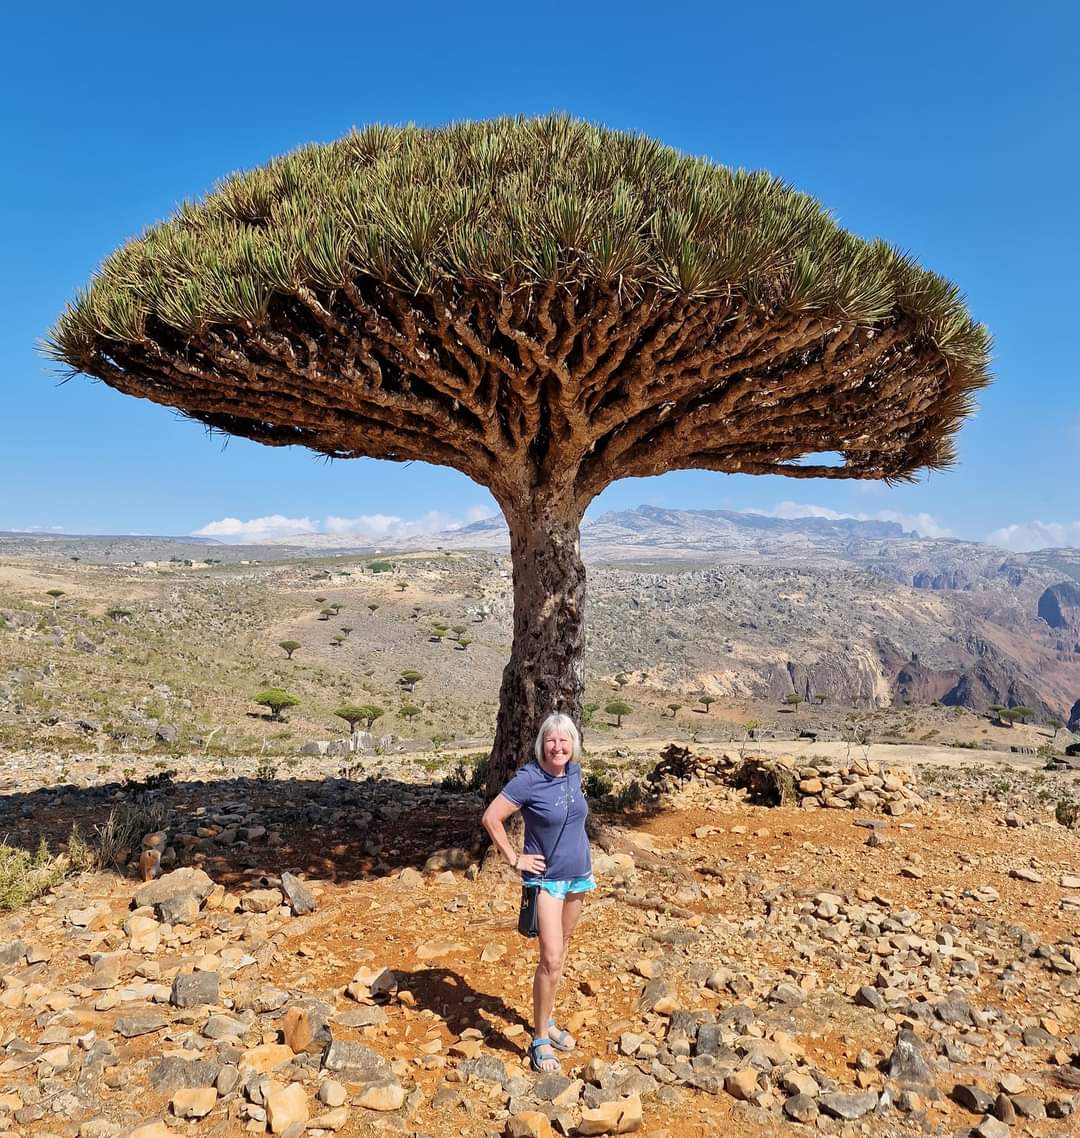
546,671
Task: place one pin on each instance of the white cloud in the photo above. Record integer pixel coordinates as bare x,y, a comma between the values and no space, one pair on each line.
1026,536
377,527
273,525
390,525
791,510
926,525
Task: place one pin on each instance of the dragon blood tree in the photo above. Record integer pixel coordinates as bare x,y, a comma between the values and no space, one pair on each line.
546,306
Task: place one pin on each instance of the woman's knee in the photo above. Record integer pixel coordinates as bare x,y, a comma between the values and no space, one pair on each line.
552,957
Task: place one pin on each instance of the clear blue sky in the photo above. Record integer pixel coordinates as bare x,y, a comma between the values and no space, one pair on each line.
947,128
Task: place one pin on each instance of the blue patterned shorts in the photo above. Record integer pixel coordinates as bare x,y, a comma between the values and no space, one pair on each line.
572,885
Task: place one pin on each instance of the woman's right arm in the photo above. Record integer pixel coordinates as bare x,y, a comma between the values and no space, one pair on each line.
494,822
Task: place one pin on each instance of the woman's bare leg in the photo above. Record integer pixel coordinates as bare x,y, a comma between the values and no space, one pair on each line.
552,955
570,913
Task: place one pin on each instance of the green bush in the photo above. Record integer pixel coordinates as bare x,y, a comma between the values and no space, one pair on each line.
1067,812
469,774
25,876
598,786
603,793
629,796
80,854
266,769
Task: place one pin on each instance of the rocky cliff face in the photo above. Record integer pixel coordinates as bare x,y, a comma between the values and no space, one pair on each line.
915,683
764,633
1059,606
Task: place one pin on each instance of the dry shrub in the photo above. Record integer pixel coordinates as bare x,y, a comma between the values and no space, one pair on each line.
125,828
766,783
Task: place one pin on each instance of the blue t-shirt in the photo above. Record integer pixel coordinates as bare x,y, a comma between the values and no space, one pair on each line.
546,802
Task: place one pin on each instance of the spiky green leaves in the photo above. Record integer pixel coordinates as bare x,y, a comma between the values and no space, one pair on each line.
509,201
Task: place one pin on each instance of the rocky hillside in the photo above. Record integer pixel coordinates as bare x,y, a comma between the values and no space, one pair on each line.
858,611
742,607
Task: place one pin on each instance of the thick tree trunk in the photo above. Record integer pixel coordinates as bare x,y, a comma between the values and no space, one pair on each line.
547,667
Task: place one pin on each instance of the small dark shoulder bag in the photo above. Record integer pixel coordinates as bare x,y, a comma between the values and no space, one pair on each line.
529,913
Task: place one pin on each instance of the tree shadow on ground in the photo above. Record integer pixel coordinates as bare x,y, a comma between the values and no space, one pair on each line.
236,828
448,994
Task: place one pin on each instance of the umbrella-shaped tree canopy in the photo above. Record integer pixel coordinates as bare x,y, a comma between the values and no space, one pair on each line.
547,306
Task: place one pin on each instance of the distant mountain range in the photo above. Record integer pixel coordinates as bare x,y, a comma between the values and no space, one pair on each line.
647,534
860,609
651,530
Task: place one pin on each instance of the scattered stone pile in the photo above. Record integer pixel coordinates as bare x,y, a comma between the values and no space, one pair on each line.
862,785
783,780
679,766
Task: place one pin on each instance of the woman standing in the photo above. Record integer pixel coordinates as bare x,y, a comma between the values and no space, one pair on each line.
556,858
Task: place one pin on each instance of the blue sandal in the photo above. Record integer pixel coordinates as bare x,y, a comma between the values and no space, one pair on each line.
559,1036
538,1061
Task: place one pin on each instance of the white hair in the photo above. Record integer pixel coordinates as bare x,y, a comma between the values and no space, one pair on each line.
562,724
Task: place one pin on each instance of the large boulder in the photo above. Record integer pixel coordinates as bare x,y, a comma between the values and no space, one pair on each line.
180,883
1074,718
